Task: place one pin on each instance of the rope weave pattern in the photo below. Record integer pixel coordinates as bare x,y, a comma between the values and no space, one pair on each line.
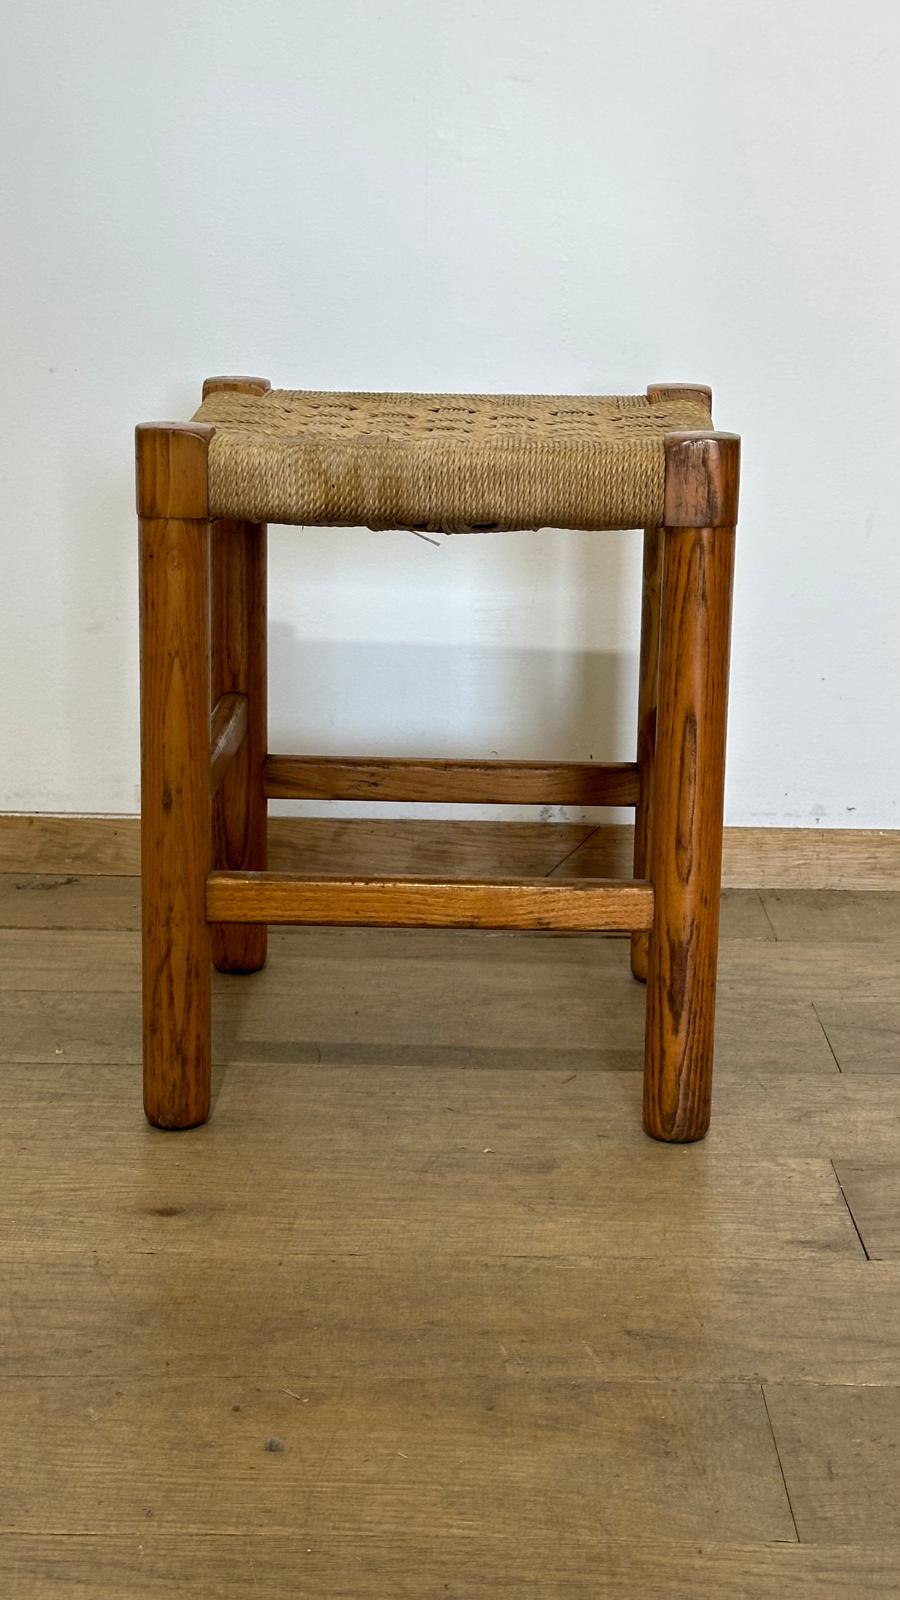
442,463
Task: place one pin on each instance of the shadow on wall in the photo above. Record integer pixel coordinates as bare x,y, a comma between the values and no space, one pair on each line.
529,652
481,690
342,698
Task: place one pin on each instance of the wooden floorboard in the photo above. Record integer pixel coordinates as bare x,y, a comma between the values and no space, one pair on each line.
809,859
507,1344
111,845
386,1454
774,858
758,1116
330,1170
536,1563
871,1188
839,1445
478,1002
841,917
83,1314
863,1033
69,900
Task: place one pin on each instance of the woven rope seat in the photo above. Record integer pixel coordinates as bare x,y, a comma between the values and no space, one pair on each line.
443,463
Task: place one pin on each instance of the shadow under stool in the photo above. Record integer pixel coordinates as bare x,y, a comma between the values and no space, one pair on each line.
252,455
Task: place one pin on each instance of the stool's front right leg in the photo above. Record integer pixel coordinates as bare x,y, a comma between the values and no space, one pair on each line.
175,782
689,782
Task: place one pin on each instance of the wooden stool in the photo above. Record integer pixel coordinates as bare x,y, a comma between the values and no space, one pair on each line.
253,455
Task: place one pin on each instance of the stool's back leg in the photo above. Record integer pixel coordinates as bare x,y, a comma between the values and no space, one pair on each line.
239,666
646,725
686,845
239,650
175,808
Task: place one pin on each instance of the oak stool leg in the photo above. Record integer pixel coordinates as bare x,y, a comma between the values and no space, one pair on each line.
240,813
175,737
646,726
239,655
686,843
649,678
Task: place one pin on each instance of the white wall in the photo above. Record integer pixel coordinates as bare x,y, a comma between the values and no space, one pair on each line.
490,195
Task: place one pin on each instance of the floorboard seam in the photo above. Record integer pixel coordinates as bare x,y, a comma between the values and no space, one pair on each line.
850,1212
574,850
762,901
825,1032
787,1492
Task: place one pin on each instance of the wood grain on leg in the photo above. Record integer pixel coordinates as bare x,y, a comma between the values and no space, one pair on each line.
239,667
646,725
675,391
227,732
239,809
239,659
686,844
175,815
237,385
564,783
648,680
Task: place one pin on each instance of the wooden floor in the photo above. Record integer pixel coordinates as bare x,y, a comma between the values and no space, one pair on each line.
421,1312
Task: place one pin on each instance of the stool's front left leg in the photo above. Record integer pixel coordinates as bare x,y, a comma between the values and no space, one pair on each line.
686,844
175,785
